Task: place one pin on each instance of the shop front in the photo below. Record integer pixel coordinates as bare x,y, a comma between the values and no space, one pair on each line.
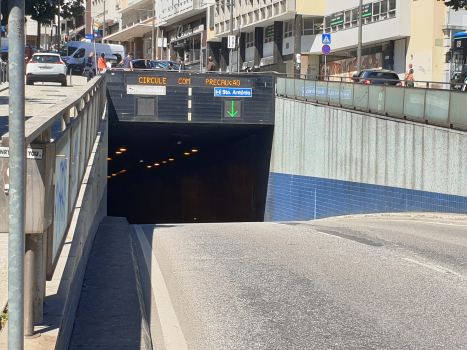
187,40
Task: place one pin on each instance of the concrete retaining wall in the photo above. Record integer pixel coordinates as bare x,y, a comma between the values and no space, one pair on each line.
90,210
329,161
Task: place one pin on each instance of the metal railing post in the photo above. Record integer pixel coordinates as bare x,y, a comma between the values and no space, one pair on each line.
17,144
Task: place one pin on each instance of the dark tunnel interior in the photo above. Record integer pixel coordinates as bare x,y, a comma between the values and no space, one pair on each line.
182,173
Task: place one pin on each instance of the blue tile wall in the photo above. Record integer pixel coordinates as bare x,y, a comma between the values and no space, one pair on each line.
295,197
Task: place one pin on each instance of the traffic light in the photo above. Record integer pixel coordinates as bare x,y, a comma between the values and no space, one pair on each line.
66,38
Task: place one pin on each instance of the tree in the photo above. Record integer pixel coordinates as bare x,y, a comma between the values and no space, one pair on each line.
456,4
42,11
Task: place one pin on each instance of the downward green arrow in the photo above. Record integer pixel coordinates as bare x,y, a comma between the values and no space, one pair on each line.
233,113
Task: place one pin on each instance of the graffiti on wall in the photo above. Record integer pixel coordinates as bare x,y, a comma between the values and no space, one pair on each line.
62,164
348,67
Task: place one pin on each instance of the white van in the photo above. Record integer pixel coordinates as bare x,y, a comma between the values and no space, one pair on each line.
81,52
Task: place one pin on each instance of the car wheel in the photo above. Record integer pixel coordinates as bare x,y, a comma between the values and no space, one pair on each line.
29,82
64,82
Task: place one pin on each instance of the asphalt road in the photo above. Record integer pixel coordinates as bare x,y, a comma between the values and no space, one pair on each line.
355,283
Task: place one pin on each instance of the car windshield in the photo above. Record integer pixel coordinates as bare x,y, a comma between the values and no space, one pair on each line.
45,58
162,65
67,50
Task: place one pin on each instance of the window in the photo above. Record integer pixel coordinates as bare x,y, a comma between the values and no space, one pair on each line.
288,29
307,26
250,39
313,26
269,34
347,19
79,53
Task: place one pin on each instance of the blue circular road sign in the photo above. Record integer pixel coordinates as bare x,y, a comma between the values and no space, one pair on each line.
326,49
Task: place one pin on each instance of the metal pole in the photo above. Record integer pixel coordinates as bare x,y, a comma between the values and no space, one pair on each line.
59,28
359,49
17,203
231,33
1,68
103,29
153,29
201,53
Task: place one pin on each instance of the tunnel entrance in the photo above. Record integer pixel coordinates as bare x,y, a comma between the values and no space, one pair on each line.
182,173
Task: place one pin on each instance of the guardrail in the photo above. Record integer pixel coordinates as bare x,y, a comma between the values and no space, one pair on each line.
55,170
427,105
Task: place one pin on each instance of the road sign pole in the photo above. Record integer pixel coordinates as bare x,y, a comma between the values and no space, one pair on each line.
325,66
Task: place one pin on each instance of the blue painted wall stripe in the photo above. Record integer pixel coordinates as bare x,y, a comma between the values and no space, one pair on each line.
292,197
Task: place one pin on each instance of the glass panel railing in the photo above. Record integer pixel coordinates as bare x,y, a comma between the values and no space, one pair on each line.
310,89
299,87
437,106
458,115
394,100
414,102
376,97
347,94
281,86
360,98
321,90
333,92
289,87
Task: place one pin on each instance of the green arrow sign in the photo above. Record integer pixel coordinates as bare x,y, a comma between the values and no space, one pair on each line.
233,113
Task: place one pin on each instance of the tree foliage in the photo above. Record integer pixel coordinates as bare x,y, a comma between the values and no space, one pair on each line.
456,4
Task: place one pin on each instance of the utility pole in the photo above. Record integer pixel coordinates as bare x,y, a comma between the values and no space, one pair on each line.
231,33
17,193
359,49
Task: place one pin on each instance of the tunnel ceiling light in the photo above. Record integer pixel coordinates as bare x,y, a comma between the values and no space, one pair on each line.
156,164
149,166
171,159
141,161
118,152
187,153
123,149
194,150
164,161
114,174
179,142
109,158
109,177
124,171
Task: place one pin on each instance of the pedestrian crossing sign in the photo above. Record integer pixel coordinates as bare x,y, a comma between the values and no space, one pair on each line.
326,39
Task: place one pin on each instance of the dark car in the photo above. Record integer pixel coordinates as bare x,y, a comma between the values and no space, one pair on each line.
377,76
150,64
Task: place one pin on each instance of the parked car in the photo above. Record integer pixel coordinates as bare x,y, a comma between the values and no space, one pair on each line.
377,76
151,64
46,67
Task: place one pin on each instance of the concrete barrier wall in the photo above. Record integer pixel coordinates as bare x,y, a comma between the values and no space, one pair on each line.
329,161
91,208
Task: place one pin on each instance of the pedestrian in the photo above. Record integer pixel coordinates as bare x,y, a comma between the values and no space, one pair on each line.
38,51
410,67
127,64
29,52
409,80
101,63
182,63
90,66
211,65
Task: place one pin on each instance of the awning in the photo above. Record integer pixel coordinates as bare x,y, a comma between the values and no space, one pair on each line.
136,31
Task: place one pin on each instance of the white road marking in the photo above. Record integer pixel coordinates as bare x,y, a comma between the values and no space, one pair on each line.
328,234
430,222
435,267
173,335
